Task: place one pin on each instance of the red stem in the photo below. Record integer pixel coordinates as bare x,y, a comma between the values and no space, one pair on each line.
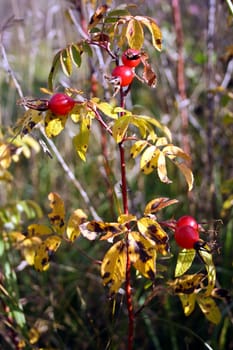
128,291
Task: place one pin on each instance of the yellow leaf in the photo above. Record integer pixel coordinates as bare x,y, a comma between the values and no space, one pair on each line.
45,252
162,169
186,171
148,161
137,148
154,29
120,127
142,254
206,256
57,216
209,308
54,124
126,218
187,284
113,267
152,230
82,139
107,108
172,151
66,62
134,34
157,204
34,335
37,230
30,119
188,302
29,247
5,155
94,229
184,261
77,218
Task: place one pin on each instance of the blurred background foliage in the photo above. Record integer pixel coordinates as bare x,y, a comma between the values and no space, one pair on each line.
67,305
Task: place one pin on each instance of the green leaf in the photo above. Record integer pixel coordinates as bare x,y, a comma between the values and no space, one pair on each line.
184,261
66,62
134,34
75,55
55,64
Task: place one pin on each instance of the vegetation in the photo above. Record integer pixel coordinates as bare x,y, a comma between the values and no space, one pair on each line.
116,175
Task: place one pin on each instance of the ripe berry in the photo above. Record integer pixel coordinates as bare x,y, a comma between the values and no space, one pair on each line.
124,73
186,236
187,220
131,58
61,104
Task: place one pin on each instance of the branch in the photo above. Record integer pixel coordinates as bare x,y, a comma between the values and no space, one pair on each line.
181,75
60,159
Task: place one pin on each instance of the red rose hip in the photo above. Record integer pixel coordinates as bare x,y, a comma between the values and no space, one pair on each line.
131,58
124,73
61,104
187,220
186,236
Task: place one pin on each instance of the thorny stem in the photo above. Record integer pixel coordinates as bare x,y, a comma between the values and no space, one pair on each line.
128,289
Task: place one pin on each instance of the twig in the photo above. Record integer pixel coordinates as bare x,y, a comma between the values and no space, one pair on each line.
70,175
60,159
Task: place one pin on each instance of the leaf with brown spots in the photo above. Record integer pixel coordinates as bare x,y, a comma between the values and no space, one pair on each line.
209,309
187,284
57,216
152,230
113,267
82,139
99,229
77,218
142,253
157,204
45,252
54,124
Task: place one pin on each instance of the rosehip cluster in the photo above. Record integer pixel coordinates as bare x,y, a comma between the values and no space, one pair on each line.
125,73
61,104
187,232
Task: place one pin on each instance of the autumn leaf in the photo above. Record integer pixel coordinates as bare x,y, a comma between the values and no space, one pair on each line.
134,34
142,254
45,252
77,218
209,309
157,204
57,216
152,230
113,267
54,124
